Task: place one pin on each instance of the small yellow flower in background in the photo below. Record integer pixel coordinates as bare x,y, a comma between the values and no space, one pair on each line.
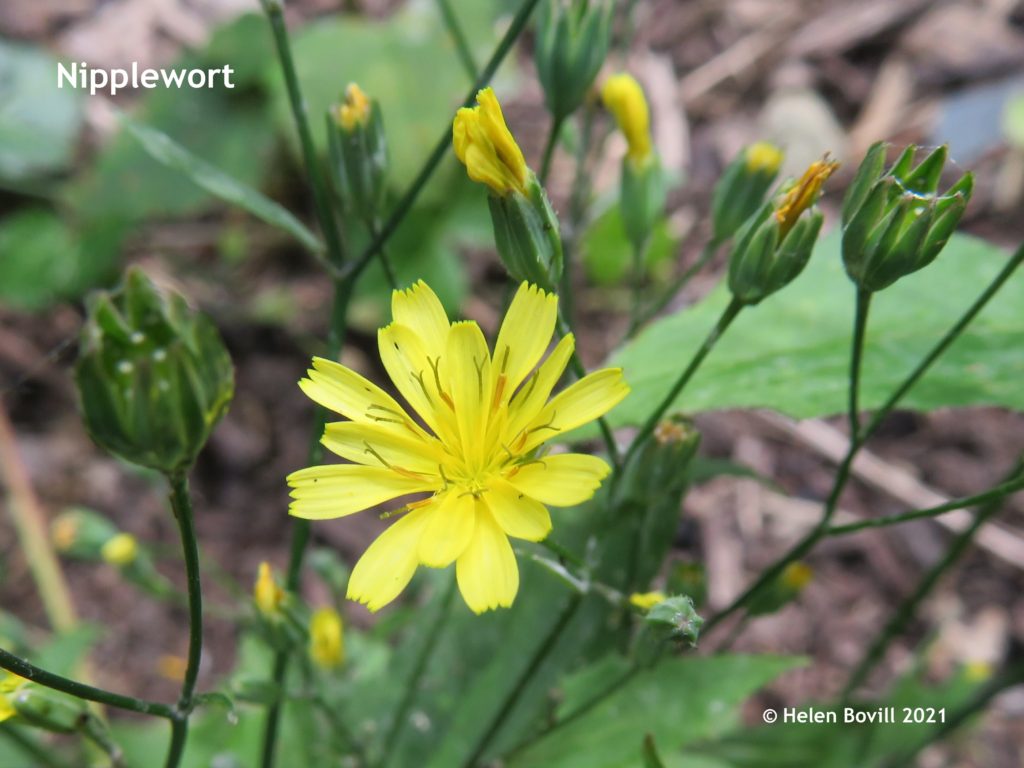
121,550
803,194
484,144
977,671
10,683
478,457
64,532
646,600
763,156
356,108
326,639
796,576
266,593
171,667
624,98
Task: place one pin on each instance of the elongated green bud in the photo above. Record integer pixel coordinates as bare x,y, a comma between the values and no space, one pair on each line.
741,191
153,376
527,236
642,200
358,152
572,42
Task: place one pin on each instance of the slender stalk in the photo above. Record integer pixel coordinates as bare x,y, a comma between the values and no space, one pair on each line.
636,306
441,147
706,255
1004,489
182,506
577,210
385,260
40,676
860,324
459,38
412,685
538,658
909,607
549,149
332,237
803,546
724,321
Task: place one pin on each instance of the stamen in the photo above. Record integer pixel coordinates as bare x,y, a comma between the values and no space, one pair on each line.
479,377
526,389
436,367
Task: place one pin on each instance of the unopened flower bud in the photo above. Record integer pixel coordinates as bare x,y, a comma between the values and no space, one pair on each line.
676,619
783,590
775,245
153,376
740,193
895,222
572,41
82,533
47,709
267,593
358,152
646,600
326,639
120,550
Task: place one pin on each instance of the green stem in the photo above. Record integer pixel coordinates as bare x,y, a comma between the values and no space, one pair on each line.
802,547
332,237
860,324
909,607
724,321
577,210
459,38
412,685
40,676
999,491
441,147
706,255
385,260
549,149
538,658
182,506
636,307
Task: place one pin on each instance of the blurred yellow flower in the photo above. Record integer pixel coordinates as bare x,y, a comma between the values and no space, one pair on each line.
326,639
356,108
10,683
646,600
763,156
266,592
624,98
796,576
484,144
478,457
64,531
120,550
803,194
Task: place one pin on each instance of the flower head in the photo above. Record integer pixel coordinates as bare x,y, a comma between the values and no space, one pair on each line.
484,144
266,592
646,600
355,110
624,98
475,459
763,156
803,194
10,684
326,639
121,550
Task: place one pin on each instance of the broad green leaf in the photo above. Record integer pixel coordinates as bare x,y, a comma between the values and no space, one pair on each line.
166,151
790,353
39,122
676,703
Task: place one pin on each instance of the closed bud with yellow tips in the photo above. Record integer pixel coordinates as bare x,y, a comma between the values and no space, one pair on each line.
326,639
267,593
358,153
120,550
741,191
572,42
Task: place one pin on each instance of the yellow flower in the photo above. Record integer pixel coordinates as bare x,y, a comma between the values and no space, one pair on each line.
796,576
803,194
266,593
356,108
977,671
64,531
624,98
478,457
326,639
763,156
9,685
646,600
484,144
120,550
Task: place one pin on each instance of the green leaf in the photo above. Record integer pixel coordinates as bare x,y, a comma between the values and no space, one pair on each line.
677,702
39,122
650,754
166,151
791,353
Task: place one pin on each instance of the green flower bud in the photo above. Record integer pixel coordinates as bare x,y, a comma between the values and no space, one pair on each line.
527,235
675,619
358,153
783,590
642,198
776,243
572,41
81,533
50,710
895,222
153,376
740,193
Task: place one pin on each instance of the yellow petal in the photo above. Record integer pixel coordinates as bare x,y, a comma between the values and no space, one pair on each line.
469,364
493,122
524,336
377,446
624,98
419,308
534,392
344,391
518,515
386,567
560,481
581,402
487,572
336,490
448,531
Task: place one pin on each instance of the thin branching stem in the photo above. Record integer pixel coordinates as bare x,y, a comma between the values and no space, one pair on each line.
706,255
451,23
